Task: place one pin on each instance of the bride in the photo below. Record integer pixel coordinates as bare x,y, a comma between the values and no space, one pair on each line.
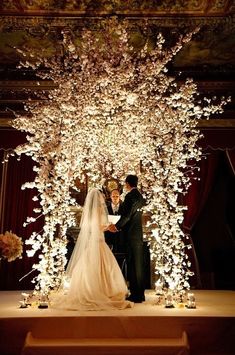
95,279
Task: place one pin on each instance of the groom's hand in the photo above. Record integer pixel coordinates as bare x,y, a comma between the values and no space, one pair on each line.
112,228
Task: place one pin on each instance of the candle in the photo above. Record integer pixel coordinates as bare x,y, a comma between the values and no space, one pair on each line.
158,290
23,304
191,302
191,297
43,302
169,301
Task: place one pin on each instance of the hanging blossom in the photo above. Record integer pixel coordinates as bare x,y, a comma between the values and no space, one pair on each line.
113,111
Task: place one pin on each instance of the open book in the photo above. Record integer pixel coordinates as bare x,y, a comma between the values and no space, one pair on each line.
113,218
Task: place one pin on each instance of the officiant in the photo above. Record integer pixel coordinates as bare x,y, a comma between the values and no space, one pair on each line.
116,240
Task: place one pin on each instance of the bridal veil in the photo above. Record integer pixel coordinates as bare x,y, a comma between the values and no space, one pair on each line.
95,279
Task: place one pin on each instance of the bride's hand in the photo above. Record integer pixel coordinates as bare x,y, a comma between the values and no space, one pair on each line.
105,227
112,228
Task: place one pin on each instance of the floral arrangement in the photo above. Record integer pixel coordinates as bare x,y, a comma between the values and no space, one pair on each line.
111,98
11,246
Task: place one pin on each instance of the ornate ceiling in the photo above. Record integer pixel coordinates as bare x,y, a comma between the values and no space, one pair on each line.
129,7
209,58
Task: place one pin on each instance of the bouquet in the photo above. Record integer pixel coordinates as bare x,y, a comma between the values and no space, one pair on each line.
11,246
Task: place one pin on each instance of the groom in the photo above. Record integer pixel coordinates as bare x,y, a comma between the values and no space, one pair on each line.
131,225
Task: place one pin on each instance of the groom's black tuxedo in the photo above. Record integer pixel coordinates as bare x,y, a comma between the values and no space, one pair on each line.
131,225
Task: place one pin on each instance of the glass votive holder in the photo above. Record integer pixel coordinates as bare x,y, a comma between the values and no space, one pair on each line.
158,290
23,304
157,300
191,301
26,297
169,301
43,302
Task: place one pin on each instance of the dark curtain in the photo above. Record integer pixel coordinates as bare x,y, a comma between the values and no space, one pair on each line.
200,188
215,144
195,200
18,205
230,212
209,220
213,233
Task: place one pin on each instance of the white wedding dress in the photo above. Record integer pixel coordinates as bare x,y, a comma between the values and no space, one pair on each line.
95,279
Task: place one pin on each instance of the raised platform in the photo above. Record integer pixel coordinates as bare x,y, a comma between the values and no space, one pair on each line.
148,328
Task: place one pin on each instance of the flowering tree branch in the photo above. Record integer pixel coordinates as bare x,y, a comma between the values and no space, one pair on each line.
113,109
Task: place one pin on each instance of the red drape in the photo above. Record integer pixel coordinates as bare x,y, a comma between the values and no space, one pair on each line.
199,190
215,144
18,206
195,200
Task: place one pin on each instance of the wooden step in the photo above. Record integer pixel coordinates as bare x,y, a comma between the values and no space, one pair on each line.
103,346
